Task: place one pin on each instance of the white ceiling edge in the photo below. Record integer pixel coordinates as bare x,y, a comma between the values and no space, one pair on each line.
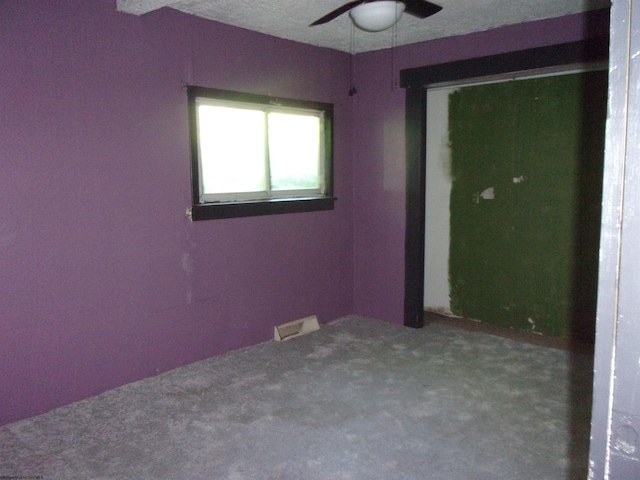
290,19
140,7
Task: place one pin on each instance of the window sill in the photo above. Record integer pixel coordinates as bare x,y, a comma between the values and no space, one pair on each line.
211,211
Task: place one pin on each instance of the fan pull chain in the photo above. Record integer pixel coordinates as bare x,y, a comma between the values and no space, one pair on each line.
394,43
352,88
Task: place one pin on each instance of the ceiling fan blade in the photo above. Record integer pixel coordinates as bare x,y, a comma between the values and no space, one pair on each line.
337,12
421,8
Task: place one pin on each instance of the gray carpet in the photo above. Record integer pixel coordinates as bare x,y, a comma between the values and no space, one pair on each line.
359,399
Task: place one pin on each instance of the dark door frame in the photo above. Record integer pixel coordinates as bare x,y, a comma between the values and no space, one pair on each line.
416,81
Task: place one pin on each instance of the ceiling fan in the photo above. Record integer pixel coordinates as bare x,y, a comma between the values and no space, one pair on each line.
378,15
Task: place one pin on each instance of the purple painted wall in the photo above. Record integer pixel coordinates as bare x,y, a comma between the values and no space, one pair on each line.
378,145
103,280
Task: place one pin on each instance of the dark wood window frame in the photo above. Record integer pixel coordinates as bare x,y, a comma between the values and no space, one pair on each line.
416,81
218,210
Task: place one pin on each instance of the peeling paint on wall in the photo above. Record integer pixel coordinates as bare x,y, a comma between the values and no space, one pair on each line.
488,194
533,326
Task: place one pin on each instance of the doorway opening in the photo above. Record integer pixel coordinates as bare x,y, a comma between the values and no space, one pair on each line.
572,56
513,195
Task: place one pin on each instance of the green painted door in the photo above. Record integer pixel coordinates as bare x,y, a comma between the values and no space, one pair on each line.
525,201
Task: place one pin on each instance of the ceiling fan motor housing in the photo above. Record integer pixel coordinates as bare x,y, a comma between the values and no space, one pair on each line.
378,15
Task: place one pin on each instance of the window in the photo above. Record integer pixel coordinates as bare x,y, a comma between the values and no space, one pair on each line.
258,155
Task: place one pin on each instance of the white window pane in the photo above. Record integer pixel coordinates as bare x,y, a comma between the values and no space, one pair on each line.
294,143
232,151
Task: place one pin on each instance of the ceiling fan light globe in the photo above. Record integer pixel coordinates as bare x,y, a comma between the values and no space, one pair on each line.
376,16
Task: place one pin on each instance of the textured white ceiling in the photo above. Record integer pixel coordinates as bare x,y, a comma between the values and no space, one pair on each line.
290,18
